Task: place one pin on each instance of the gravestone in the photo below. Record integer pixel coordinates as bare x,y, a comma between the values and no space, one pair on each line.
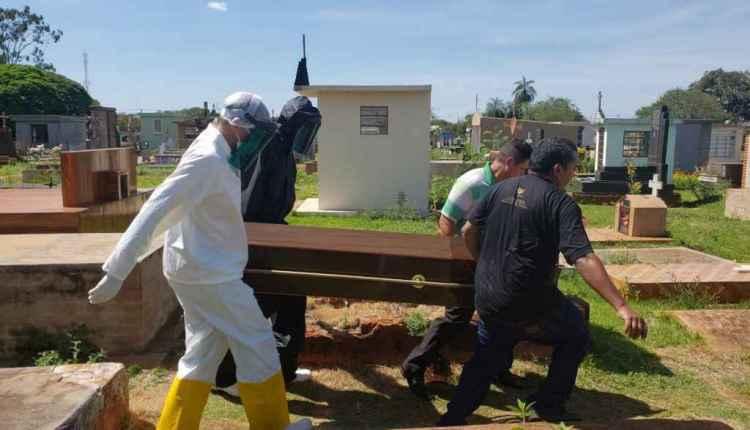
657,151
656,185
7,148
637,215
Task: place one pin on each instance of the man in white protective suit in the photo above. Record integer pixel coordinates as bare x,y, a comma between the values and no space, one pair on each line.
205,253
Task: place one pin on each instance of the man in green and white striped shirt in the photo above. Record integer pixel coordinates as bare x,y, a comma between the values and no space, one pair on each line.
468,190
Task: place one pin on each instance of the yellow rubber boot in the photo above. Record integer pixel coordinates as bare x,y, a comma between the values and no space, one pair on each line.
184,405
265,403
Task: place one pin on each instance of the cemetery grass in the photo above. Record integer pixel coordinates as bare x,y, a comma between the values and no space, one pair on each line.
11,174
150,176
671,374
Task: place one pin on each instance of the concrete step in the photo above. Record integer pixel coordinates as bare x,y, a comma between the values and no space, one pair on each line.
79,396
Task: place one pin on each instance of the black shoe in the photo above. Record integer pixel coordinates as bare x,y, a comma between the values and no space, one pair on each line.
554,414
507,379
416,384
446,422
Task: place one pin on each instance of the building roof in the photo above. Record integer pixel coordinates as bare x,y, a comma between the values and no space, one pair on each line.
158,114
43,118
647,121
315,90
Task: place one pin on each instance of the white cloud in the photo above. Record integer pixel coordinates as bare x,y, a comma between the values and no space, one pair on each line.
220,6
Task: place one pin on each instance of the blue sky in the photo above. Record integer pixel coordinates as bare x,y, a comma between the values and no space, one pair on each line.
154,54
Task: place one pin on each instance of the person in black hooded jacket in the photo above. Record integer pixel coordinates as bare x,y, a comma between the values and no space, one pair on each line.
268,197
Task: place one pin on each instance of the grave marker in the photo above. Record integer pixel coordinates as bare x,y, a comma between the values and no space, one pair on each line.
656,185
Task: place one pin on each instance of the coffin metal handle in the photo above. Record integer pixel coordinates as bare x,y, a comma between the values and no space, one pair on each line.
417,281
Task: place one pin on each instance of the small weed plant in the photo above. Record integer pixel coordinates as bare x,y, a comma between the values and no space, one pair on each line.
417,323
524,411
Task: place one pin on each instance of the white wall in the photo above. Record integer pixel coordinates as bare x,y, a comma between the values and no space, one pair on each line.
369,171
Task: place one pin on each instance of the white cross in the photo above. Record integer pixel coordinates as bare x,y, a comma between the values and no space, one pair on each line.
655,184
3,117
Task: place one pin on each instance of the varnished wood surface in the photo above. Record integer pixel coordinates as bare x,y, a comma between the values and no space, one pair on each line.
354,252
356,241
78,184
40,210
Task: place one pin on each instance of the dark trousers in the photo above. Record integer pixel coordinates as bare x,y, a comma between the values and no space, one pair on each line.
288,313
564,328
442,331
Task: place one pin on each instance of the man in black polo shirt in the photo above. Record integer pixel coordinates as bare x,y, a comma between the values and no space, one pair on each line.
516,234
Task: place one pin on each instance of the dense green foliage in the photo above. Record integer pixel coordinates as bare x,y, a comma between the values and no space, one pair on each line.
686,104
554,109
30,90
731,88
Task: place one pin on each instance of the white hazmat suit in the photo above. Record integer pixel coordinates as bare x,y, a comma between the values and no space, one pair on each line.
205,253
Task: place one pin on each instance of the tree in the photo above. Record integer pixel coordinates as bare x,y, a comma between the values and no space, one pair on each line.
497,108
30,90
686,104
22,36
128,122
731,88
554,109
523,93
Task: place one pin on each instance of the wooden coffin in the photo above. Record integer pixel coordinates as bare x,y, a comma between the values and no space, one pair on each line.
370,265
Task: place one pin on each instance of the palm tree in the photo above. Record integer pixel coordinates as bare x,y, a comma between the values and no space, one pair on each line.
496,108
523,93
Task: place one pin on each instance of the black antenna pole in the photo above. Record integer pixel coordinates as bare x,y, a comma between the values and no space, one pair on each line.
304,46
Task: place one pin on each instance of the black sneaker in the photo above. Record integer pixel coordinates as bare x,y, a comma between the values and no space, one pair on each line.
508,379
555,414
416,384
448,422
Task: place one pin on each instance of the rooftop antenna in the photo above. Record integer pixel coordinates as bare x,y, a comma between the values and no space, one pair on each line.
86,71
302,79
599,109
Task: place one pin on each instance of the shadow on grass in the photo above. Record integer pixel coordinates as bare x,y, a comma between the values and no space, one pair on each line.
702,202
591,405
384,404
613,352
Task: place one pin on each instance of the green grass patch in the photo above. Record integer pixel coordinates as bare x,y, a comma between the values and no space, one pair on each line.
697,225
622,366
150,176
306,185
598,215
363,222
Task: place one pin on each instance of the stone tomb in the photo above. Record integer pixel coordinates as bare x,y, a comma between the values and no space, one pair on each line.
725,330
637,215
98,195
662,272
737,202
79,396
44,283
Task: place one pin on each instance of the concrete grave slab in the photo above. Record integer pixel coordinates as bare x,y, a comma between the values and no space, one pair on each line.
725,330
717,279
661,272
82,396
41,210
311,206
44,283
607,235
